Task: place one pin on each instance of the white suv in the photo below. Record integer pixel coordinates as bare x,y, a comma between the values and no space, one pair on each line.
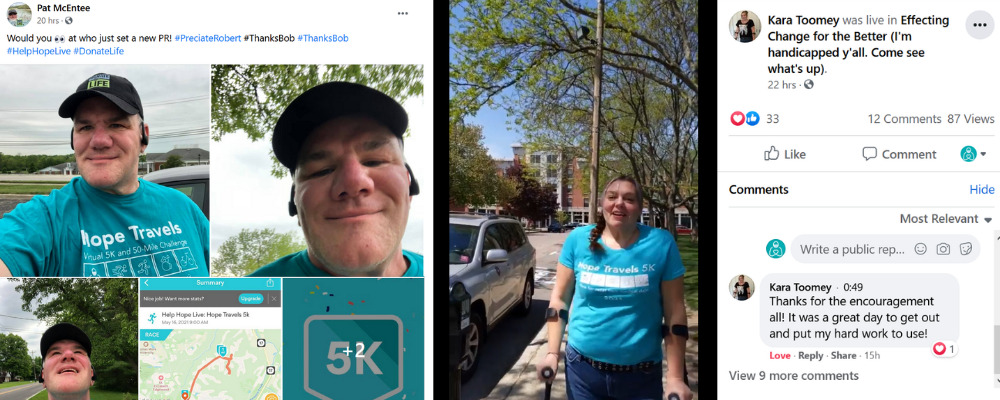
492,258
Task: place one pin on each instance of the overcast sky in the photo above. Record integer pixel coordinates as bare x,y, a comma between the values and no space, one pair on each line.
175,98
13,320
245,195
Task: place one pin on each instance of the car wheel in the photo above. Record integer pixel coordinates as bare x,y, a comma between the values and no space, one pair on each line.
524,306
474,339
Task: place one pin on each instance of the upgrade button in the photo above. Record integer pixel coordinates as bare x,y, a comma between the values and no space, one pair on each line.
251,298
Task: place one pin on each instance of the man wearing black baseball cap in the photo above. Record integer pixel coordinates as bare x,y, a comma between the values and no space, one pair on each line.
66,369
343,143
108,222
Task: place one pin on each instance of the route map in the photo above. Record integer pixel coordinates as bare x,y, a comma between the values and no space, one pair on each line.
212,364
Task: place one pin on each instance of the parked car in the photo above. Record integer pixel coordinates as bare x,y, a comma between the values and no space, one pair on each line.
491,257
555,227
192,181
572,225
683,230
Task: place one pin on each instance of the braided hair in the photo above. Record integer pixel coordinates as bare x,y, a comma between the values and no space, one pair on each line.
601,224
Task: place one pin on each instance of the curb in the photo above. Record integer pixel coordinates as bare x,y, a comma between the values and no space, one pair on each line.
521,382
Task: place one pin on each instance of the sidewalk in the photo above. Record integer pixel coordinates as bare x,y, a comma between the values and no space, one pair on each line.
521,382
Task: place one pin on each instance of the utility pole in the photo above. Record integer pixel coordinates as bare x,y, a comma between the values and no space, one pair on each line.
595,139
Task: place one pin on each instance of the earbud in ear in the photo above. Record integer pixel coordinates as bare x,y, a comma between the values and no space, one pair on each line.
414,187
292,211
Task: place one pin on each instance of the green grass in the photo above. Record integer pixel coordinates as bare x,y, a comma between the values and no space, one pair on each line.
29,189
9,384
689,256
95,395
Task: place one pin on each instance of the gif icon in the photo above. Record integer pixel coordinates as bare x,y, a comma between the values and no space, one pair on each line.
353,356
261,343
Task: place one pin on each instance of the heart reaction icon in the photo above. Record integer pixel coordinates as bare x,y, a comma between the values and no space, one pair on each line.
939,348
737,118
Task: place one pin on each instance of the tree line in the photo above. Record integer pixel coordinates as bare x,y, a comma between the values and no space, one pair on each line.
26,164
14,358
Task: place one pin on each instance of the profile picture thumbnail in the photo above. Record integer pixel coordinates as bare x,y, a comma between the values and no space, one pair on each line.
741,287
19,14
744,26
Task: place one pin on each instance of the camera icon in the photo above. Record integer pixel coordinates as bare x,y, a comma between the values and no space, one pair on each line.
261,343
943,249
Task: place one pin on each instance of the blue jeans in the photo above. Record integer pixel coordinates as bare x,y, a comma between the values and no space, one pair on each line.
584,382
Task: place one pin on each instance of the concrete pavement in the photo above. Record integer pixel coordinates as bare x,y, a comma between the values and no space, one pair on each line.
521,381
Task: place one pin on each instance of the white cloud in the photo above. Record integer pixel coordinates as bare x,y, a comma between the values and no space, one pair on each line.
14,320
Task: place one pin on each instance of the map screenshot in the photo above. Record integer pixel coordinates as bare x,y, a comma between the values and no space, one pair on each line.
204,339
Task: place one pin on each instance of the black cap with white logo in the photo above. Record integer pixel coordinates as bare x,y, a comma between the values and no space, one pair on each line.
113,87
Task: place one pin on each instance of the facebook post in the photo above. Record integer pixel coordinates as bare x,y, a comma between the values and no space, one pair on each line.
177,143
865,225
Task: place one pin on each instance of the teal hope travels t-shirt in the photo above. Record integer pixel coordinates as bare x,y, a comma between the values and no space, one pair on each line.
298,264
79,230
617,309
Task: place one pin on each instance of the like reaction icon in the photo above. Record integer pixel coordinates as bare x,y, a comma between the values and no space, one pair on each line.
771,154
753,118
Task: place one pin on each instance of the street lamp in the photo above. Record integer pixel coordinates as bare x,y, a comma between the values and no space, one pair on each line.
595,139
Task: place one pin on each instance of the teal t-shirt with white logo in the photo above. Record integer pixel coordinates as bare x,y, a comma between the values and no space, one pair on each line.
617,309
79,230
299,265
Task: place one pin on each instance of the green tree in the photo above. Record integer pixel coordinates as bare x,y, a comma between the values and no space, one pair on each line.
562,217
250,98
528,58
653,137
106,309
535,48
173,161
14,358
472,174
31,163
253,248
532,201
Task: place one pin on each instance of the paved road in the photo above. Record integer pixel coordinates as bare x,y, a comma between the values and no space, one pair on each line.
20,392
9,201
39,177
512,335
